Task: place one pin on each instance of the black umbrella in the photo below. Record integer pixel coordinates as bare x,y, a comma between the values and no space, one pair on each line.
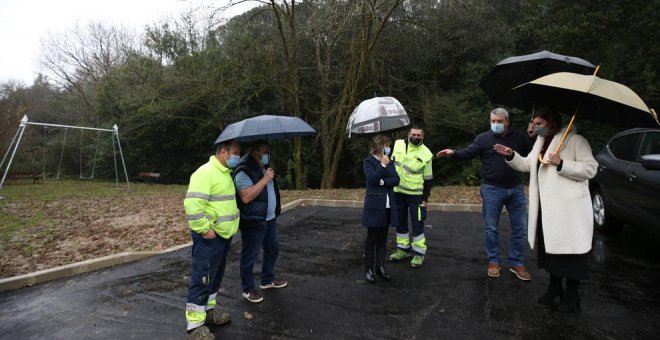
518,70
266,127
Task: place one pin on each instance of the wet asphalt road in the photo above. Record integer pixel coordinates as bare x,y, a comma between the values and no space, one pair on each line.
450,297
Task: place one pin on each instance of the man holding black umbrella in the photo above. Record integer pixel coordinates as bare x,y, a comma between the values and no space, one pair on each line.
259,203
501,187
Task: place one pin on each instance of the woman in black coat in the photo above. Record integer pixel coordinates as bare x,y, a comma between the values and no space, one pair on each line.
381,177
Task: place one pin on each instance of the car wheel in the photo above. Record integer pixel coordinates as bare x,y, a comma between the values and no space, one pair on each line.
603,221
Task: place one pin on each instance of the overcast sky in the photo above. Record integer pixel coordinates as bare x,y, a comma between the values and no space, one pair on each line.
23,23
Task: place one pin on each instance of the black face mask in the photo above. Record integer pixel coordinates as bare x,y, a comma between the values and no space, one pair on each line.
415,141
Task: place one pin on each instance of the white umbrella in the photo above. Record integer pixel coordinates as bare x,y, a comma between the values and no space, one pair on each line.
377,115
596,98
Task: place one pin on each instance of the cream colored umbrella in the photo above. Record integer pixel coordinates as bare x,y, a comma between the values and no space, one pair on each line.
591,98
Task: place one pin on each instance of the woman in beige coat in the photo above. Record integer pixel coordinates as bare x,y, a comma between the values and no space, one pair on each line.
559,219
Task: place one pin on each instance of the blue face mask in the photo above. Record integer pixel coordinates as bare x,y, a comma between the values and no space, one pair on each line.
233,161
387,150
497,128
265,158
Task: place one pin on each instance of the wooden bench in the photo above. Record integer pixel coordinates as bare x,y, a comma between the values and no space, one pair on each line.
24,174
147,176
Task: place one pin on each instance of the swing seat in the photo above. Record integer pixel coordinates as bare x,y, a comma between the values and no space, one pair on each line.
147,176
24,174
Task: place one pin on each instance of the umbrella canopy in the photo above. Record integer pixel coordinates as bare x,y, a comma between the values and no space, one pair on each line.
266,127
518,70
597,99
377,115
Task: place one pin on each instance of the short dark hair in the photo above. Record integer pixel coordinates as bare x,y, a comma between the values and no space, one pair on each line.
258,144
552,116
226,145
415,127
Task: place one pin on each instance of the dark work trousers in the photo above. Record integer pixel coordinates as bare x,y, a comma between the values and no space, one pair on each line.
253,238
209,258
405,205
376,244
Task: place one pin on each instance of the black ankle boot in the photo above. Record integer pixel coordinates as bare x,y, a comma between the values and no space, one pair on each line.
555,290
380,271
570,303
371,278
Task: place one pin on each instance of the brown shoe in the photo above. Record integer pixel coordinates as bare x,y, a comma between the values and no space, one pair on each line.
213,317
200,333
494,269
253,296
276,283
521,273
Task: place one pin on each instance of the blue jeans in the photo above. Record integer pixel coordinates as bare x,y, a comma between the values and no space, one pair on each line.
253,238
209,258
493,199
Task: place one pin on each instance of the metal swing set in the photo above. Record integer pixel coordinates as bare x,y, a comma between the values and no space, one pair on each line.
13,147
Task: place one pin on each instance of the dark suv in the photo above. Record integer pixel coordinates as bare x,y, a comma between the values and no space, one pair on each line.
626,189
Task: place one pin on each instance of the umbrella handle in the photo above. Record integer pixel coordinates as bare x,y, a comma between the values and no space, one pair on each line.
563,138
568,128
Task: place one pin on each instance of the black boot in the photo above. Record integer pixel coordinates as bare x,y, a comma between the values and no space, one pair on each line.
380,271
371,278
570,303
555,290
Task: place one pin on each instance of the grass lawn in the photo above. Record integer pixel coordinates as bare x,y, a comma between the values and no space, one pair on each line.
60,222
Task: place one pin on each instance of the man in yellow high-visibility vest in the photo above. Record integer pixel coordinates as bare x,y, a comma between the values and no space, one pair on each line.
213,217
412,160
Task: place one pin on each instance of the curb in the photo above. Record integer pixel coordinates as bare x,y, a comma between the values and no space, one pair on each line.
121,258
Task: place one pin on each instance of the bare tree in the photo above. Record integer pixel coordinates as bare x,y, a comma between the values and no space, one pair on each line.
78,59
362,22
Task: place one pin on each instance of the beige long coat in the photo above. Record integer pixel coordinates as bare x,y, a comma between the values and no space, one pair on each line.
563,195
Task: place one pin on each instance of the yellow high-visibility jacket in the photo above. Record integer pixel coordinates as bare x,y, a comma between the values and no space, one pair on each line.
211,200
413,164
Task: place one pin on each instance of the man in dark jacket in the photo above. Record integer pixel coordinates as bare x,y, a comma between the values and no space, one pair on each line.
501,187
259,204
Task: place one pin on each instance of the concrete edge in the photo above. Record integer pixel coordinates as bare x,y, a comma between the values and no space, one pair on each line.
125,257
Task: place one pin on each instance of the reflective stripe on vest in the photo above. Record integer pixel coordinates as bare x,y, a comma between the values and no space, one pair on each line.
211,200
227,218
193,217
410,164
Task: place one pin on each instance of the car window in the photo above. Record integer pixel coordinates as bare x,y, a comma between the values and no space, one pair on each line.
625,147
650,144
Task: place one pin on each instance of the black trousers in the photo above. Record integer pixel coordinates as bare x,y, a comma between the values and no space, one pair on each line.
375,246
571,266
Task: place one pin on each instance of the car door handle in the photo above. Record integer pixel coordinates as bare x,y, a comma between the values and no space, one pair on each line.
632,177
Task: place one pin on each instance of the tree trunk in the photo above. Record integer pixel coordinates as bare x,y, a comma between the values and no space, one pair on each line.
362,48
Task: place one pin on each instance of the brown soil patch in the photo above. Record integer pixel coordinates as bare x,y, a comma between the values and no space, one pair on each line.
76,229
